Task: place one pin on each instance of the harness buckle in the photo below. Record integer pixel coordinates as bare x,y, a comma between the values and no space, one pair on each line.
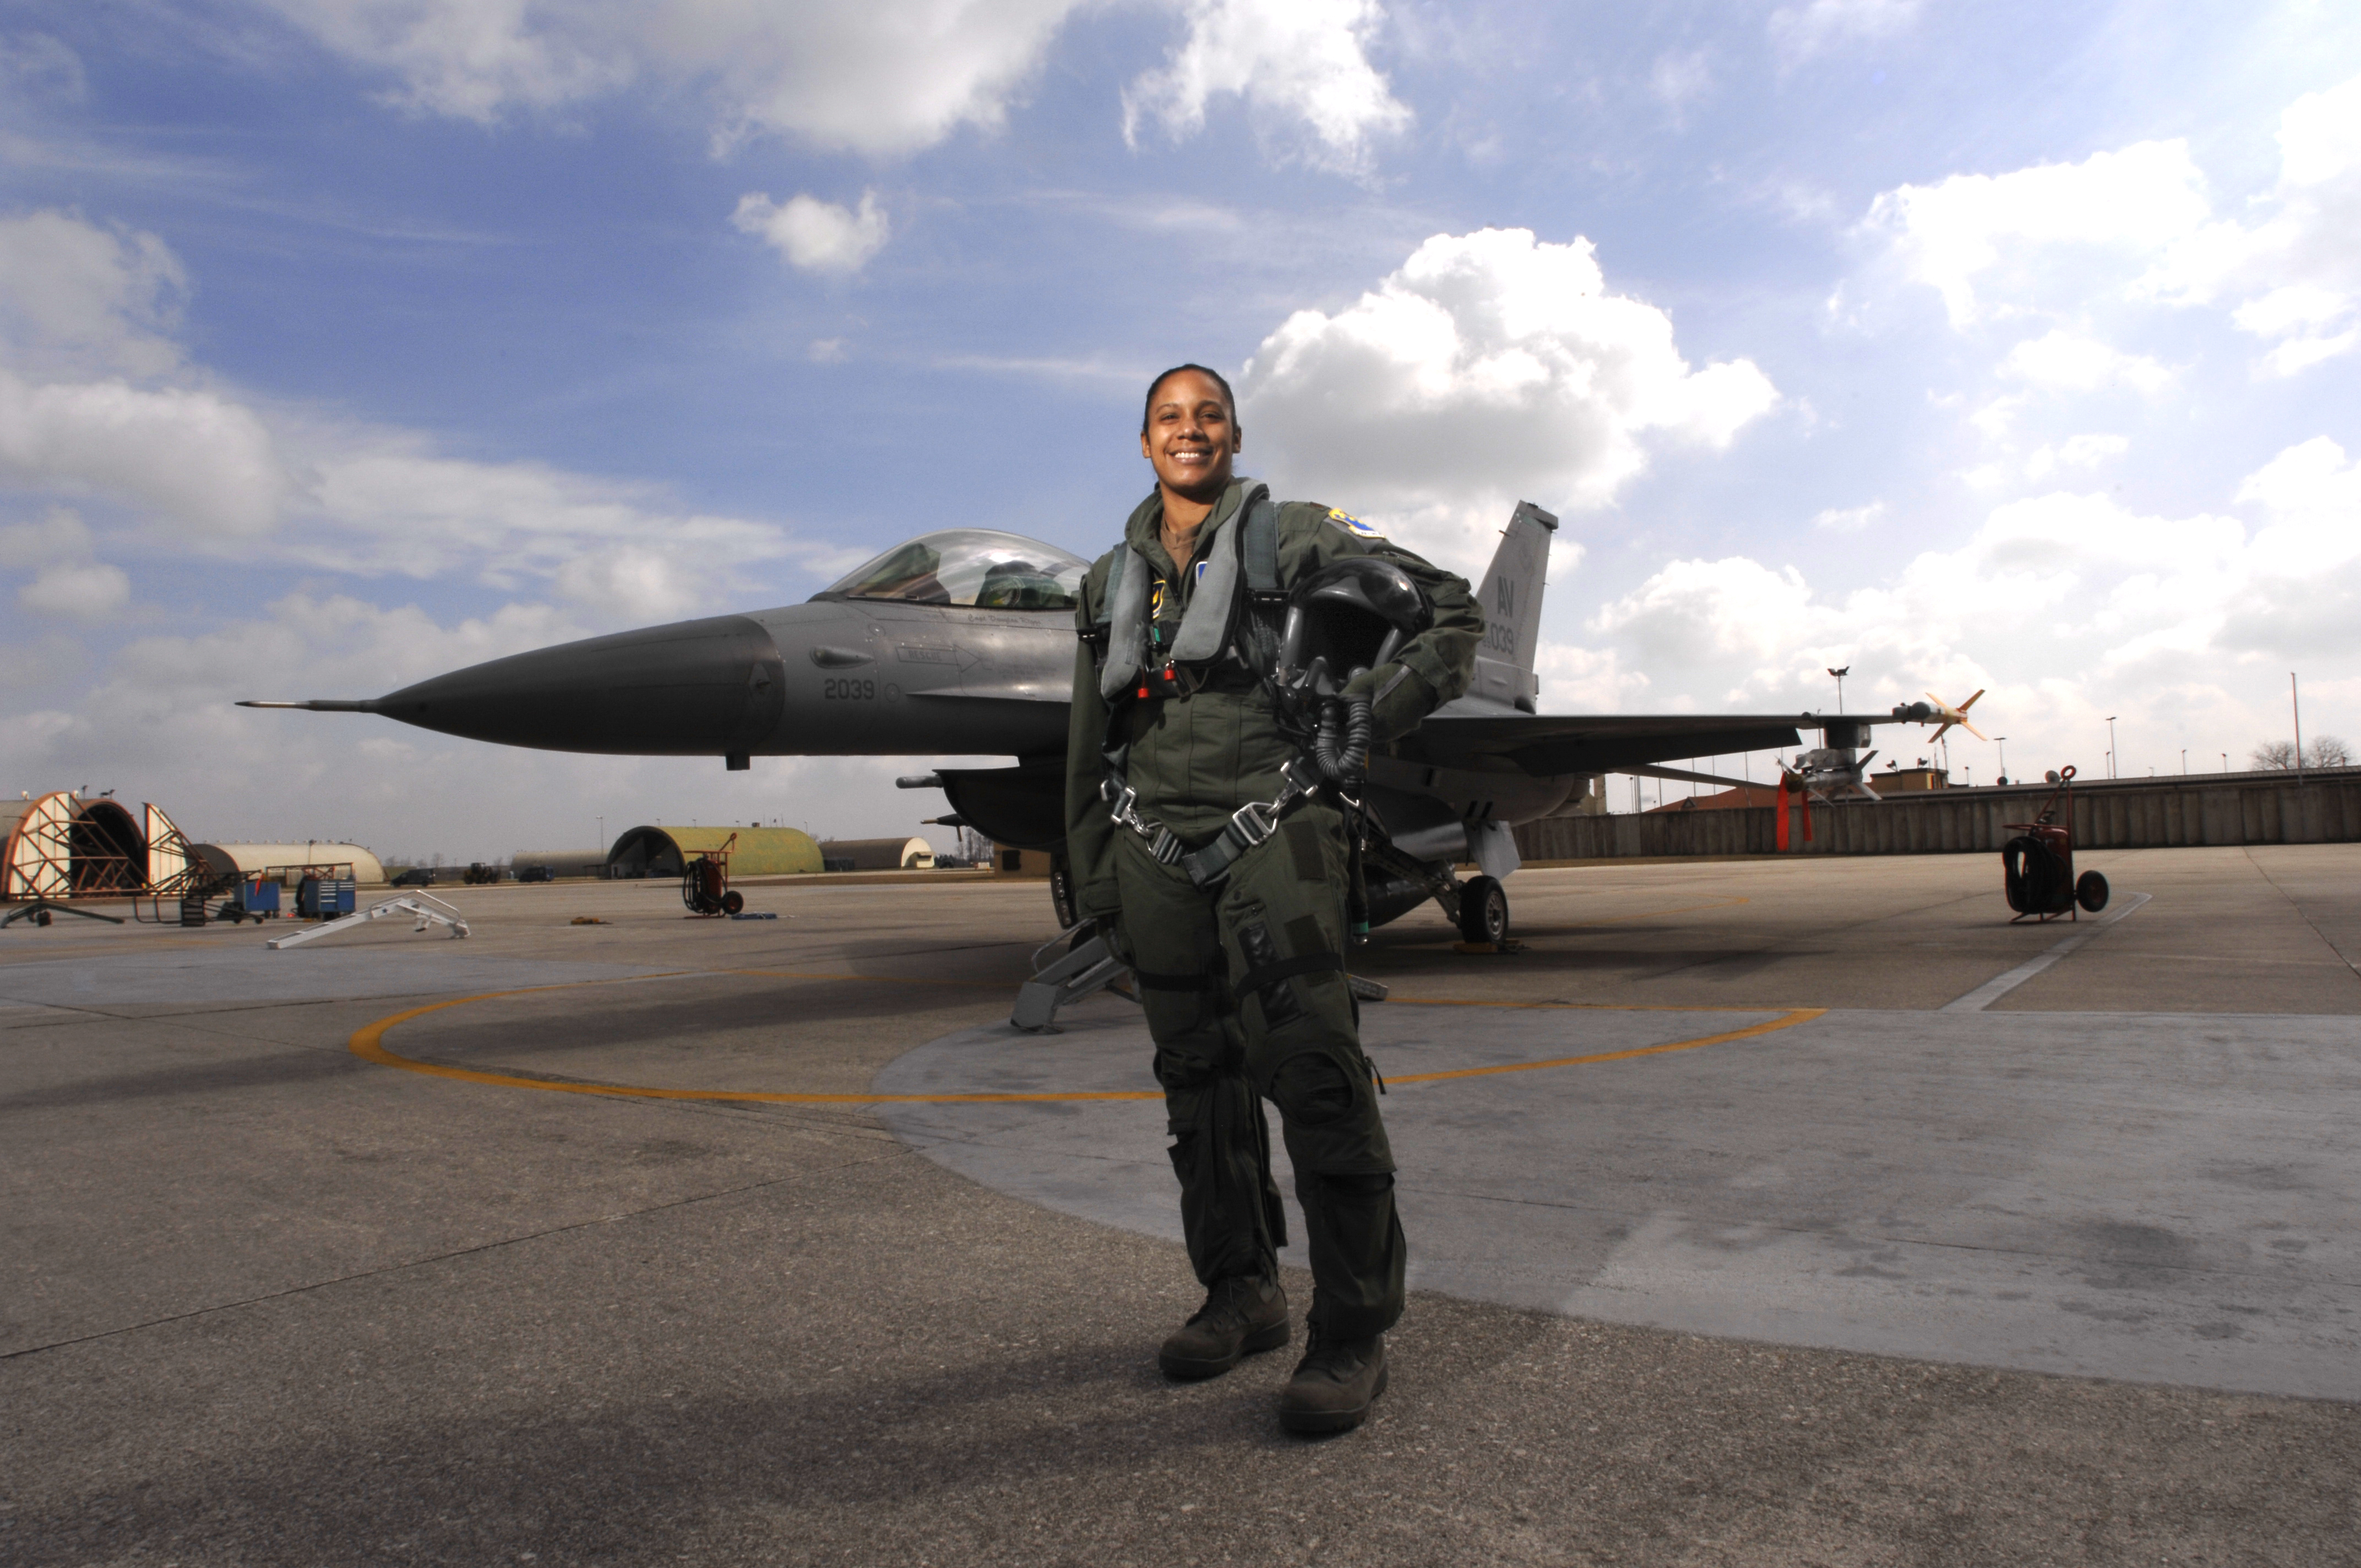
1254,822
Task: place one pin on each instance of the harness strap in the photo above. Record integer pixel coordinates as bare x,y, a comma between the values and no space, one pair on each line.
1261,546
1114,586
1151,980
1287,968
1251,825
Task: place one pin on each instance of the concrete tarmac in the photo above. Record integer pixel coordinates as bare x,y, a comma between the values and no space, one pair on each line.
353,1253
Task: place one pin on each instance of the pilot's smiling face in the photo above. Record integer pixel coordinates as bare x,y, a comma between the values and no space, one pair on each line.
1191,439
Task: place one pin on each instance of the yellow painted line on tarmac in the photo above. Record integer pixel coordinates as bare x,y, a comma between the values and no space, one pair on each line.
1786,1021
368,1044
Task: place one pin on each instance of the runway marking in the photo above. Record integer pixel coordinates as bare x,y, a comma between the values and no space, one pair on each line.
1785,1021
1993,990
368,1044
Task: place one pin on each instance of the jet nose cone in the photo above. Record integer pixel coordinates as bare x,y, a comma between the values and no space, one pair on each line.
694,688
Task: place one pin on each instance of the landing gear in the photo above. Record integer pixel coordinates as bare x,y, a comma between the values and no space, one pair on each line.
1483,910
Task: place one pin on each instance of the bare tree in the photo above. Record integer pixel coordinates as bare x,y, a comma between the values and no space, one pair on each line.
2327,752
2273,754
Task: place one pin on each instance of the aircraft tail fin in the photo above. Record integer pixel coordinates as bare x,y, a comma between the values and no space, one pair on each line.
1510,598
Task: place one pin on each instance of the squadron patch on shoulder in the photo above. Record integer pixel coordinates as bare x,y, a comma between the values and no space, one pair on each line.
1351,524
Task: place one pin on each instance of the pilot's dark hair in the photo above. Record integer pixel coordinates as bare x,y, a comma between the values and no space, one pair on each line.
1149,408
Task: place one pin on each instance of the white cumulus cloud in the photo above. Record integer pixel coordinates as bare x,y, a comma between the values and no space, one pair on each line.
879,77
1304,59
2139,226
79,299
83,593
1977,238
1490,367
162,449
2066,361
816,236
203,460
2067,606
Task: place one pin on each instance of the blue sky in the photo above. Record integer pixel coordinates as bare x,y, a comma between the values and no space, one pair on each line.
346,341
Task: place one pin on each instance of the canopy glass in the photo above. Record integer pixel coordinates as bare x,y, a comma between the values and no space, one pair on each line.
977,568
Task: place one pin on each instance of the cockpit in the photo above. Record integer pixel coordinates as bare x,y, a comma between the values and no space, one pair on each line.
980,568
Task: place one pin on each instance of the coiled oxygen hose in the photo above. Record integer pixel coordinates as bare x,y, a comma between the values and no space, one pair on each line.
1342,746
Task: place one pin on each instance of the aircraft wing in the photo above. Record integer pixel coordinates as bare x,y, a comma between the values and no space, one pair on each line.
1550,744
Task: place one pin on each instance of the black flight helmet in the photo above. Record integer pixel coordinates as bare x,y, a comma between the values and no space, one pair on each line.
1352,614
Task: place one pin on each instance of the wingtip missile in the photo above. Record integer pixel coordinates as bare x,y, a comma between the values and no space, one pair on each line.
1955,716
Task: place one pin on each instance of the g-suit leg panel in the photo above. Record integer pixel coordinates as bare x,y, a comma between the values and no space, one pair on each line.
1230,1211
1282,929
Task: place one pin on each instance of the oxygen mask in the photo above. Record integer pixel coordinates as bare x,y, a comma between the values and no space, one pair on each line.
1343,620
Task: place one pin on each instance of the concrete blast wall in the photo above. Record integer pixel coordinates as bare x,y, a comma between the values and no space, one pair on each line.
2150,814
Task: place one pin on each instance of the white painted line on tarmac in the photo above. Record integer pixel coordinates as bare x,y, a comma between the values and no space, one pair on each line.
1993,990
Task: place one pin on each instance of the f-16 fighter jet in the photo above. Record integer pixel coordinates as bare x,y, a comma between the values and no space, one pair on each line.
962,643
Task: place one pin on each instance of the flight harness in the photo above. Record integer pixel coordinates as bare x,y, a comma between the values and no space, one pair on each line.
1247,540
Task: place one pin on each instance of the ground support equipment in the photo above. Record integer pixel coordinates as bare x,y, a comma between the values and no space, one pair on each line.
440,913
38,912
2037,865
1086,966
705,883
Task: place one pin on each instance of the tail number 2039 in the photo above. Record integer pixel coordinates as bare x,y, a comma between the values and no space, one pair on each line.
849,690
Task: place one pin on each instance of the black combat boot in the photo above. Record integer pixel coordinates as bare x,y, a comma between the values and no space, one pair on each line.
1242,1316
1334,1383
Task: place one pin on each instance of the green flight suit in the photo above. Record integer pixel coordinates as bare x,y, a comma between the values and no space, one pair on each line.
1224,1042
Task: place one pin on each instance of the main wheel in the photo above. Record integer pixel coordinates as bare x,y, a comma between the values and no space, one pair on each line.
1483,910
2091,892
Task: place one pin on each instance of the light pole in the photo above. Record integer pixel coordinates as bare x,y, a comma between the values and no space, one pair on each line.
2184,758
2111,745
2295,706
2002,741
1840,674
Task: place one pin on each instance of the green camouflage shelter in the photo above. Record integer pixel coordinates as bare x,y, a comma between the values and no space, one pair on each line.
759,852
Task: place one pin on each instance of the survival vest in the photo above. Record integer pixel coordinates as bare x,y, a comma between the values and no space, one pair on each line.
1232,614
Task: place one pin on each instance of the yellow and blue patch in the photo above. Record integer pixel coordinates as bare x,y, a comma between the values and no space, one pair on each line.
1351,524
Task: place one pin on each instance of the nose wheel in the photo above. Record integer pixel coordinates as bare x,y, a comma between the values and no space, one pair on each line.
1483,910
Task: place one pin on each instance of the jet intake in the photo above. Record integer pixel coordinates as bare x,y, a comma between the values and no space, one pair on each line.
695,689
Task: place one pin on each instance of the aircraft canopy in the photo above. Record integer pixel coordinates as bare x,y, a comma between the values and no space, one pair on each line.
978,568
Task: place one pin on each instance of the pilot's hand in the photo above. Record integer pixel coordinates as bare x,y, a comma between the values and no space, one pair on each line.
1399,699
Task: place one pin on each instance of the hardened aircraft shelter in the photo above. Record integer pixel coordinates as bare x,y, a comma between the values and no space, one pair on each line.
655,851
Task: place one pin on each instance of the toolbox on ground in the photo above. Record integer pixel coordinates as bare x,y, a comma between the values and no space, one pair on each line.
323,898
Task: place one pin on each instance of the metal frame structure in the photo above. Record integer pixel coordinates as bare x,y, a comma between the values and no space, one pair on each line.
59,847
415,904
